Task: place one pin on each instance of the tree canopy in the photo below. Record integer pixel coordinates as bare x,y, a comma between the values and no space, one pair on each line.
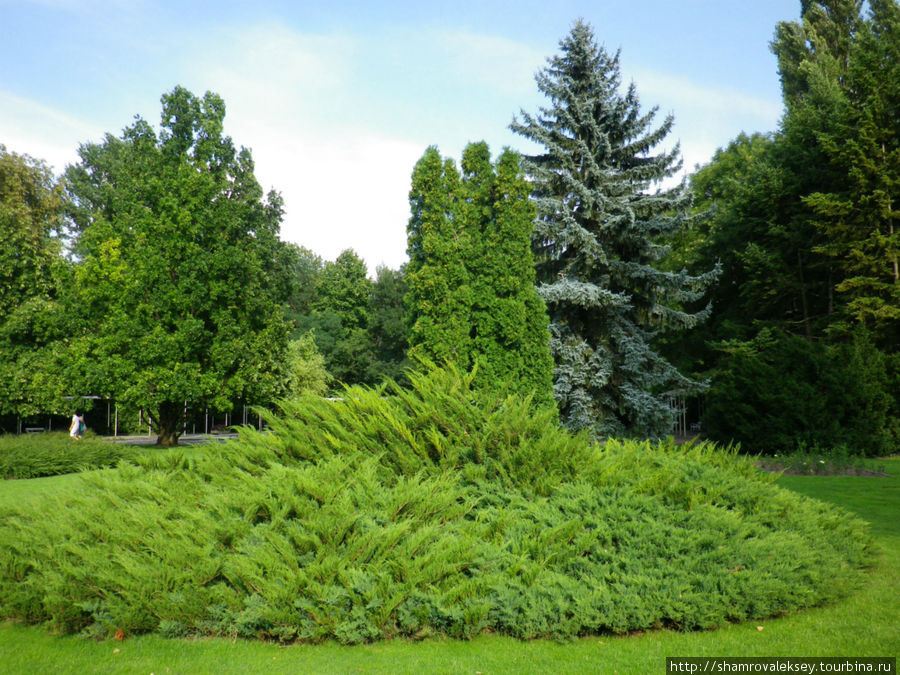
471,273
596,242
31,274
178,290
802,347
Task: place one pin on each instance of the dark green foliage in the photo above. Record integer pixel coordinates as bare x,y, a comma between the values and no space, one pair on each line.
778,392
386,330
471,274
51,454
359,326
804,228
761,235
343,288
596,242
434,509
304,269
859,216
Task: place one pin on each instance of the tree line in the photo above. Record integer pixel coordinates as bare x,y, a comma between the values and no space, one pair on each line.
802,344
766,286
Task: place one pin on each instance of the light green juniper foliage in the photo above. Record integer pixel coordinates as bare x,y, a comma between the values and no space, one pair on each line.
595,249
471,271
182,275
437,509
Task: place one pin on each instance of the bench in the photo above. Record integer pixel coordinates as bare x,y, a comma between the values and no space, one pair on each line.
34,430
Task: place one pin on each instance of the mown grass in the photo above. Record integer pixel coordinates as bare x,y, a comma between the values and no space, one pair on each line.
867,623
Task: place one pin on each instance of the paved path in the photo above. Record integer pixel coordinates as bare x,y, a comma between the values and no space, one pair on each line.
186,439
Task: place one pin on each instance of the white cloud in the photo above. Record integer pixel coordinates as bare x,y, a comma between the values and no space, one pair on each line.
31,128
491,61
289,99
347,192
682,93
706,118
278,72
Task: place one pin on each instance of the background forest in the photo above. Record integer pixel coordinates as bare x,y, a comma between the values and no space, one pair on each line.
763,292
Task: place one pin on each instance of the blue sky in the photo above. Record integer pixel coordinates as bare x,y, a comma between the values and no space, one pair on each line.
337,100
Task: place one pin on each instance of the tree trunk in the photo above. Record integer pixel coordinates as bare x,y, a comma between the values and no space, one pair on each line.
169,424
890,206
803,297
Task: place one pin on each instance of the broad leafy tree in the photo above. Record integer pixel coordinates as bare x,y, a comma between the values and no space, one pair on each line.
344,288
387,326
304,269
340,316
306,370
471,274
358,325
32,270
180,281
596,242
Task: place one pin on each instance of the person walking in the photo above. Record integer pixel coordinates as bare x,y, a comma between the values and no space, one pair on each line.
76,428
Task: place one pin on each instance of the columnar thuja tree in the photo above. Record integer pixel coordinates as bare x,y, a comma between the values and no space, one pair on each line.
178,289
439,295
595,242
471,272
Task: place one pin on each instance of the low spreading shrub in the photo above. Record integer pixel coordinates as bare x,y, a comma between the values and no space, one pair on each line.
434,509
51,454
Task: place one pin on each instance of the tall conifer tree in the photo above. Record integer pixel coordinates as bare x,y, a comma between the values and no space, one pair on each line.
854,113
595,242
471,272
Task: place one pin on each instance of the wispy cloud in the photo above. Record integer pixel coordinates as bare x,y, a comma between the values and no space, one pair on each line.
706,117
491,61
277,72
683,93
28,127
291,99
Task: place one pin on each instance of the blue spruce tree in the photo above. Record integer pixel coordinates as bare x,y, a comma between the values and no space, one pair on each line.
597,237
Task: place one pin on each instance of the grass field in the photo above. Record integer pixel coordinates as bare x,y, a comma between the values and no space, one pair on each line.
865,624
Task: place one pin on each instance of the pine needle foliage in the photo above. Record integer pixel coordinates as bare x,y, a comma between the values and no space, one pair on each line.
433,509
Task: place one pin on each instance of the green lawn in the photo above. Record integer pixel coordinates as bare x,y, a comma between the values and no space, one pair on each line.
865,624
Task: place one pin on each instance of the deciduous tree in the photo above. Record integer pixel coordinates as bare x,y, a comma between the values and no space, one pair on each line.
32,270
178,284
